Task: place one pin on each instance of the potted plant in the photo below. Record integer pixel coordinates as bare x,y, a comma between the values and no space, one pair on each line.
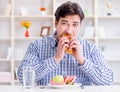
26,24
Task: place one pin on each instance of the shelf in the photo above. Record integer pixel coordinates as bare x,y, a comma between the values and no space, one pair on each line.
109,38
5,38
35,16
5,60
16,81
27,38
115,59
1,17
17,60
109,17
89,16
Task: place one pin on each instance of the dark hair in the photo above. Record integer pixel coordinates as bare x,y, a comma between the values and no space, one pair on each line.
69,8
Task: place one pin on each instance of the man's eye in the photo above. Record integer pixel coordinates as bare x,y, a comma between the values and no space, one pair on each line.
75,25
63,23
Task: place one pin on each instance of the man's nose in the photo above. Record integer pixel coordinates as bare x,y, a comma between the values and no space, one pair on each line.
69,29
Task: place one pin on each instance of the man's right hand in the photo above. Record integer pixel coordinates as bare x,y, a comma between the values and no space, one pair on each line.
62,44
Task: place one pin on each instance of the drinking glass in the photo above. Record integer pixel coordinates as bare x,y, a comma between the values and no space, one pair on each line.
28,76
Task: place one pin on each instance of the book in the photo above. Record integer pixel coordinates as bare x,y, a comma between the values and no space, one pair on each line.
9,53
89,32
5,76
7,9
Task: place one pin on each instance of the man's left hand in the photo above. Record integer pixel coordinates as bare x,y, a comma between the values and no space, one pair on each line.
77,50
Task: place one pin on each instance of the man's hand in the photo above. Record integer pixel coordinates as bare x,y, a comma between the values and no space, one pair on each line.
62,44
77,50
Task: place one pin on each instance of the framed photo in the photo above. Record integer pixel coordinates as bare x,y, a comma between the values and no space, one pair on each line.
45,30
23,10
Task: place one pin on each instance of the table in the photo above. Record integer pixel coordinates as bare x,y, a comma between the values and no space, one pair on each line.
8,88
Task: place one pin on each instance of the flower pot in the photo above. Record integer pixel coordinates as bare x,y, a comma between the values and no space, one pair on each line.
27,33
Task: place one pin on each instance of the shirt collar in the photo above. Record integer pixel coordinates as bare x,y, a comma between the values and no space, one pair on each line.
54,42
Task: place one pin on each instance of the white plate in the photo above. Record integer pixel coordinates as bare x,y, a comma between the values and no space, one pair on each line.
76,85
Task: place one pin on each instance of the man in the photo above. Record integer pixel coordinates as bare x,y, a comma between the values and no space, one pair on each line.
49,57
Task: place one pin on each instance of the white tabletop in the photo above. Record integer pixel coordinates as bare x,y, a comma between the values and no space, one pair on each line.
115,88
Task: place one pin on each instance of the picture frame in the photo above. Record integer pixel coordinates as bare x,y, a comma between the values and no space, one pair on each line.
45,30
23,11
